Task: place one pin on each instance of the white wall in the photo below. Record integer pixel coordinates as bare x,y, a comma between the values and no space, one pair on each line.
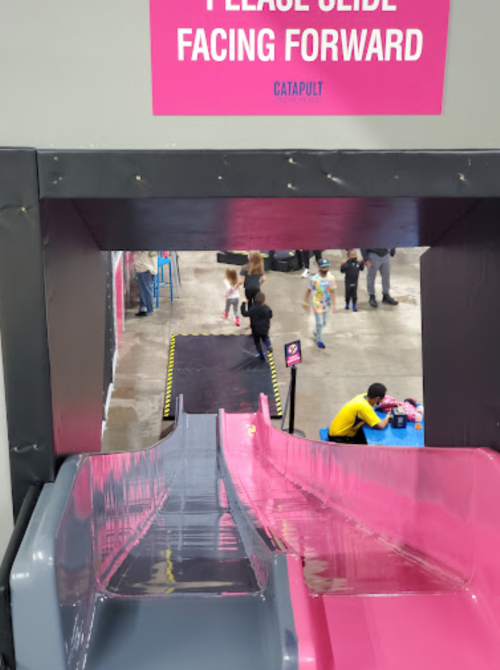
6,518
78,75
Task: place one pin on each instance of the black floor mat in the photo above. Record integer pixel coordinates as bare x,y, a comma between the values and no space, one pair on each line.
219,371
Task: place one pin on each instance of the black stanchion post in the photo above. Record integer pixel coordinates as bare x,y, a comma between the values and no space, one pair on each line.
293,355
292,399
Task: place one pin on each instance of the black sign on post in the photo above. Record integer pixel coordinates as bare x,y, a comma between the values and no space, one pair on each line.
293,356
293,353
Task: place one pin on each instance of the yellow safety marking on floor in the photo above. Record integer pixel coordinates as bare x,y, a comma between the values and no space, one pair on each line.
274,379
170,373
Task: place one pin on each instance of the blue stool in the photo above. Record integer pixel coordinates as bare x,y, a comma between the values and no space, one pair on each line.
159,279
323,434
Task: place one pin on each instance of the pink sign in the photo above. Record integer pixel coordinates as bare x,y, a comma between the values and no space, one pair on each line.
293,353
298,57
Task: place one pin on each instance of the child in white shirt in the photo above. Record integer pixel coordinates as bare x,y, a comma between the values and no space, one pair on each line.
232,294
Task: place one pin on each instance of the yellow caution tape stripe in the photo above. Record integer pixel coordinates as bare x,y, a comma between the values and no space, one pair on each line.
274,379
170,374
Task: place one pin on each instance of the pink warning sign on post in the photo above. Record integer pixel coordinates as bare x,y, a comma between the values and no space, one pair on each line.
298,57
293,353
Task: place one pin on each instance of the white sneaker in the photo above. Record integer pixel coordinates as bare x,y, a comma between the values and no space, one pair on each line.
305,273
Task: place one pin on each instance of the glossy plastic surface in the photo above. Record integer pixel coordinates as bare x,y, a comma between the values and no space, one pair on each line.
238,545
398,546
146,560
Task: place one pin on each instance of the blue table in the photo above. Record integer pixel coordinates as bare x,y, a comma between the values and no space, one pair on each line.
390,437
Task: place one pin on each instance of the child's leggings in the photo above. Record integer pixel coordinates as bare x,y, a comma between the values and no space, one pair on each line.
351,293
232,302
250,294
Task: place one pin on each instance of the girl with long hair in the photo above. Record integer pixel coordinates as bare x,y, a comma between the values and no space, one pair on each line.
252,276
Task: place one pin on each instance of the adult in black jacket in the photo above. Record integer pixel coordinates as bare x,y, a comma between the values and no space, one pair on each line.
379,260
260,322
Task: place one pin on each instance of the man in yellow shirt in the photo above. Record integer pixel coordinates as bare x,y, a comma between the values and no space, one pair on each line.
347,427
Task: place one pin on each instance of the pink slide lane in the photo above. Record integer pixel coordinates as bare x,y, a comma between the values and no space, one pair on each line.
393,553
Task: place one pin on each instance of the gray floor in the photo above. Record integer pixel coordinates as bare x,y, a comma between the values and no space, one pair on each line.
373,345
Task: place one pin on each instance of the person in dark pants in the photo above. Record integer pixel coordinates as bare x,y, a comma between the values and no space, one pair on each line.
146,267
260,321
303,256
351,267
347,426
252,276
379,260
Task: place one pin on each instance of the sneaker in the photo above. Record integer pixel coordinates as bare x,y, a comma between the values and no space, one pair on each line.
354,307
347,305
261,356
305,273
321,345
237,321
141,314
373,302
388,300
225,315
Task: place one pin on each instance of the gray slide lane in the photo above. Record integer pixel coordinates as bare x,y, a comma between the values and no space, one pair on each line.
182,595
193,545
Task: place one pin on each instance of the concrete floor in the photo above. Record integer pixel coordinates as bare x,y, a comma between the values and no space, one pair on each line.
381,344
